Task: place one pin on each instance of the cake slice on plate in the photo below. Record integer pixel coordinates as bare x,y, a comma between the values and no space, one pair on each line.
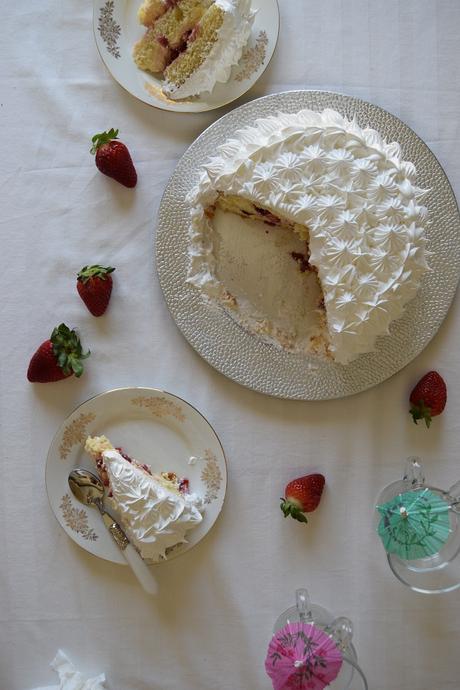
155,510
194,43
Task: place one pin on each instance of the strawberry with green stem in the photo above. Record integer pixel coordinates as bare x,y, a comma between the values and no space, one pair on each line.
58,357
113,158
94,285
428,398
302,495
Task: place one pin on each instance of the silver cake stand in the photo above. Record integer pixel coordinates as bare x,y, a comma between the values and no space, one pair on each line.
266,368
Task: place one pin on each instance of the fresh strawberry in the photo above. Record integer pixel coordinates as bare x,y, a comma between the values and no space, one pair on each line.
302,496
94,285
113,158
58,357
429,397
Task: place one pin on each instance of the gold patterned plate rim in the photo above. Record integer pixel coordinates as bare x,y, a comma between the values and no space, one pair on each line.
116,28
208,474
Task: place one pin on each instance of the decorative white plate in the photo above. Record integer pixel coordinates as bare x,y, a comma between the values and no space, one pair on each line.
248,358
116,30
153,427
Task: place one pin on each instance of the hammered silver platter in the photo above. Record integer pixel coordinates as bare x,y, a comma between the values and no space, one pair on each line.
261,366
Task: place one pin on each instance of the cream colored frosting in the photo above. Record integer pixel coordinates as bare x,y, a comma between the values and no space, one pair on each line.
153,517
226,51
356,195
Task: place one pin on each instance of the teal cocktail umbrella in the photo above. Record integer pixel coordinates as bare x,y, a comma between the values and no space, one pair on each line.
414,524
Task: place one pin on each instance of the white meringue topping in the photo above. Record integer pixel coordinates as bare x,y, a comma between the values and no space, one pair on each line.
153,517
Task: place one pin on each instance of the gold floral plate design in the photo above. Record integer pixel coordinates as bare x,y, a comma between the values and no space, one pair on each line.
154,427
116,30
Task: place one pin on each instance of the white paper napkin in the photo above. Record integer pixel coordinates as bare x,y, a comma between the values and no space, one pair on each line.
70,679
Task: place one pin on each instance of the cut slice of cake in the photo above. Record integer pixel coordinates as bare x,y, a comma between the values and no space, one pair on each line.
155,510
194,43
339,187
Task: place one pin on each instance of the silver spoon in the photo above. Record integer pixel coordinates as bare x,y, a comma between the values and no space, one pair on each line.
88,489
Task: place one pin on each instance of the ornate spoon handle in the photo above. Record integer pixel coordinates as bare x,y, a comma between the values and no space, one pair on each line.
134,560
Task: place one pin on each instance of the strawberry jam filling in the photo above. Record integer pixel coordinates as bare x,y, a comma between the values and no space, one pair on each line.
194,33
184,486
302,260
102,472
163,41
126,457
268,217
174,51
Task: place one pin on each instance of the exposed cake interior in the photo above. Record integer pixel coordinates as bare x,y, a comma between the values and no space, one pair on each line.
247,209
199,46
151,10
168,34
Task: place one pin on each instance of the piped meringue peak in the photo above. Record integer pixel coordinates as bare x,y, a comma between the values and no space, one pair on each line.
347,191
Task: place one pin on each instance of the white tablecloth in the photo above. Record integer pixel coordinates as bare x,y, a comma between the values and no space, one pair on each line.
210,627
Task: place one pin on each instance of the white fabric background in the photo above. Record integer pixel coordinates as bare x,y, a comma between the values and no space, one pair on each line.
209,628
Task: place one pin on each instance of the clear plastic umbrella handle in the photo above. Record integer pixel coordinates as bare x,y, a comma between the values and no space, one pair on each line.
414,477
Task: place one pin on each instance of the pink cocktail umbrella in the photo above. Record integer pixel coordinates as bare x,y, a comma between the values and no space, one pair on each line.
301,656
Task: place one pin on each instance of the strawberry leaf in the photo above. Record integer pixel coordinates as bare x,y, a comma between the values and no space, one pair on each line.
68,350
103,138
77,366
299,516
421,411
293,510
95,271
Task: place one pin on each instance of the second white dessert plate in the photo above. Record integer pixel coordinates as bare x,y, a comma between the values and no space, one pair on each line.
117,29
152,426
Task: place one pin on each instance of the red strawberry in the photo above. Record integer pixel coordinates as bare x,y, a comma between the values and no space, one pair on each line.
429,397
94,285
302,495
58,357
113,158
